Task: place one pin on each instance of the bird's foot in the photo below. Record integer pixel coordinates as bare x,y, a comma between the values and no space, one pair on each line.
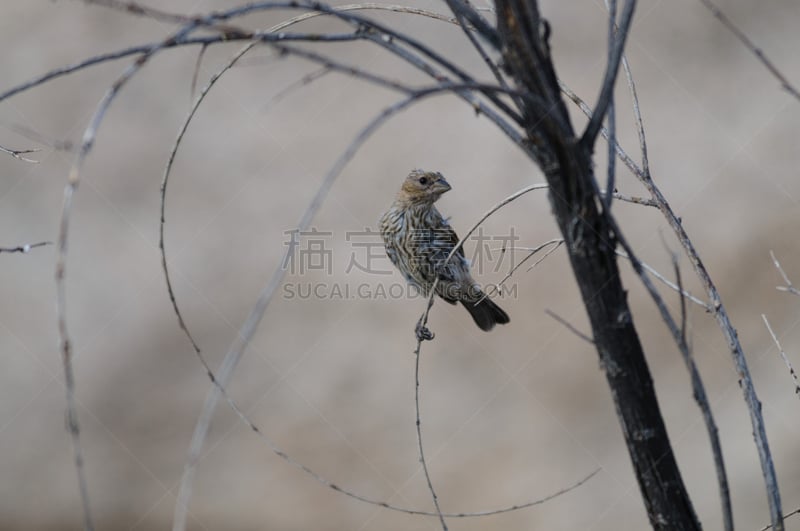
423,334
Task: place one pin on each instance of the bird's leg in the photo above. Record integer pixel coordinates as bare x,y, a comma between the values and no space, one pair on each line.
423,334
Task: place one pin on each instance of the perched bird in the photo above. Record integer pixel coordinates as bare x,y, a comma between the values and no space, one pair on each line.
418,241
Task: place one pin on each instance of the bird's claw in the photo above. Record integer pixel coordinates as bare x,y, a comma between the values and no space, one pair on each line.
423,334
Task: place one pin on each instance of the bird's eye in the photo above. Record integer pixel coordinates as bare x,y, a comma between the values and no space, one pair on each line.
423,181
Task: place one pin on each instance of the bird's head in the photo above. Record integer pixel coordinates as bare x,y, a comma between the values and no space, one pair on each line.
423,187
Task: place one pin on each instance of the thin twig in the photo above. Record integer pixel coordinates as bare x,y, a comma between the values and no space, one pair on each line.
18,154
24,248
31,134
750,45
785,516
176,42
196,70
670,284
460,11
134,8
420,446
607,90
464,10
637,114
783,355
635,200
702,401
205,40
315,10
569,326
303,81
322,480
636,111
371,501
556,243
611,5
789,287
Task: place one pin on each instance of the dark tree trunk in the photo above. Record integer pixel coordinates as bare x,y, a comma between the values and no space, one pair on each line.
591,242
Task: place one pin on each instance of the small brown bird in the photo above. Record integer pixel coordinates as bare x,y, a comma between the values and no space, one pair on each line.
418,240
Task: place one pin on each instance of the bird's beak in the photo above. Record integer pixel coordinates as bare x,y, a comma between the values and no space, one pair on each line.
441,186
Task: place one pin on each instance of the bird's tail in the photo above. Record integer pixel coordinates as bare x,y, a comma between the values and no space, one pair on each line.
486,313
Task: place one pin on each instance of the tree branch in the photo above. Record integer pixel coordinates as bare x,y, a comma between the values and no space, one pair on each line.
591,236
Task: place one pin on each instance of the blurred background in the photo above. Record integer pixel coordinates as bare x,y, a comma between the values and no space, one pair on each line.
508,416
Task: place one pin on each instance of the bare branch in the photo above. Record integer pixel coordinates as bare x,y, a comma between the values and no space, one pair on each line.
569,326
702,401
134,8
196,71
463,10
611,5
18,154
785,516
789,287
420,447
607,90
556,243
24,248
303,81
635,200
750,45
637,114
783,355
27,132
670,284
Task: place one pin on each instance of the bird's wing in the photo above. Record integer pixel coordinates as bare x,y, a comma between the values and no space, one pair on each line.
445,240
391,252
452,241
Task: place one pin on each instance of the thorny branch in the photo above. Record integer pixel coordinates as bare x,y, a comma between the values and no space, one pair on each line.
24,248
789,287
18,154
783,355
785,516
699,394
750,45
569,326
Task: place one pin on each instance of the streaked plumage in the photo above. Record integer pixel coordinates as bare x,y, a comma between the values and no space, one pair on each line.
418,240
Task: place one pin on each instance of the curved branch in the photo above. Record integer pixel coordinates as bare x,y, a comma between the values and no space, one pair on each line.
250,326
755,50
607,90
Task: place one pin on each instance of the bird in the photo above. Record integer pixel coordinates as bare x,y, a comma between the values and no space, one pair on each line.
418,241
